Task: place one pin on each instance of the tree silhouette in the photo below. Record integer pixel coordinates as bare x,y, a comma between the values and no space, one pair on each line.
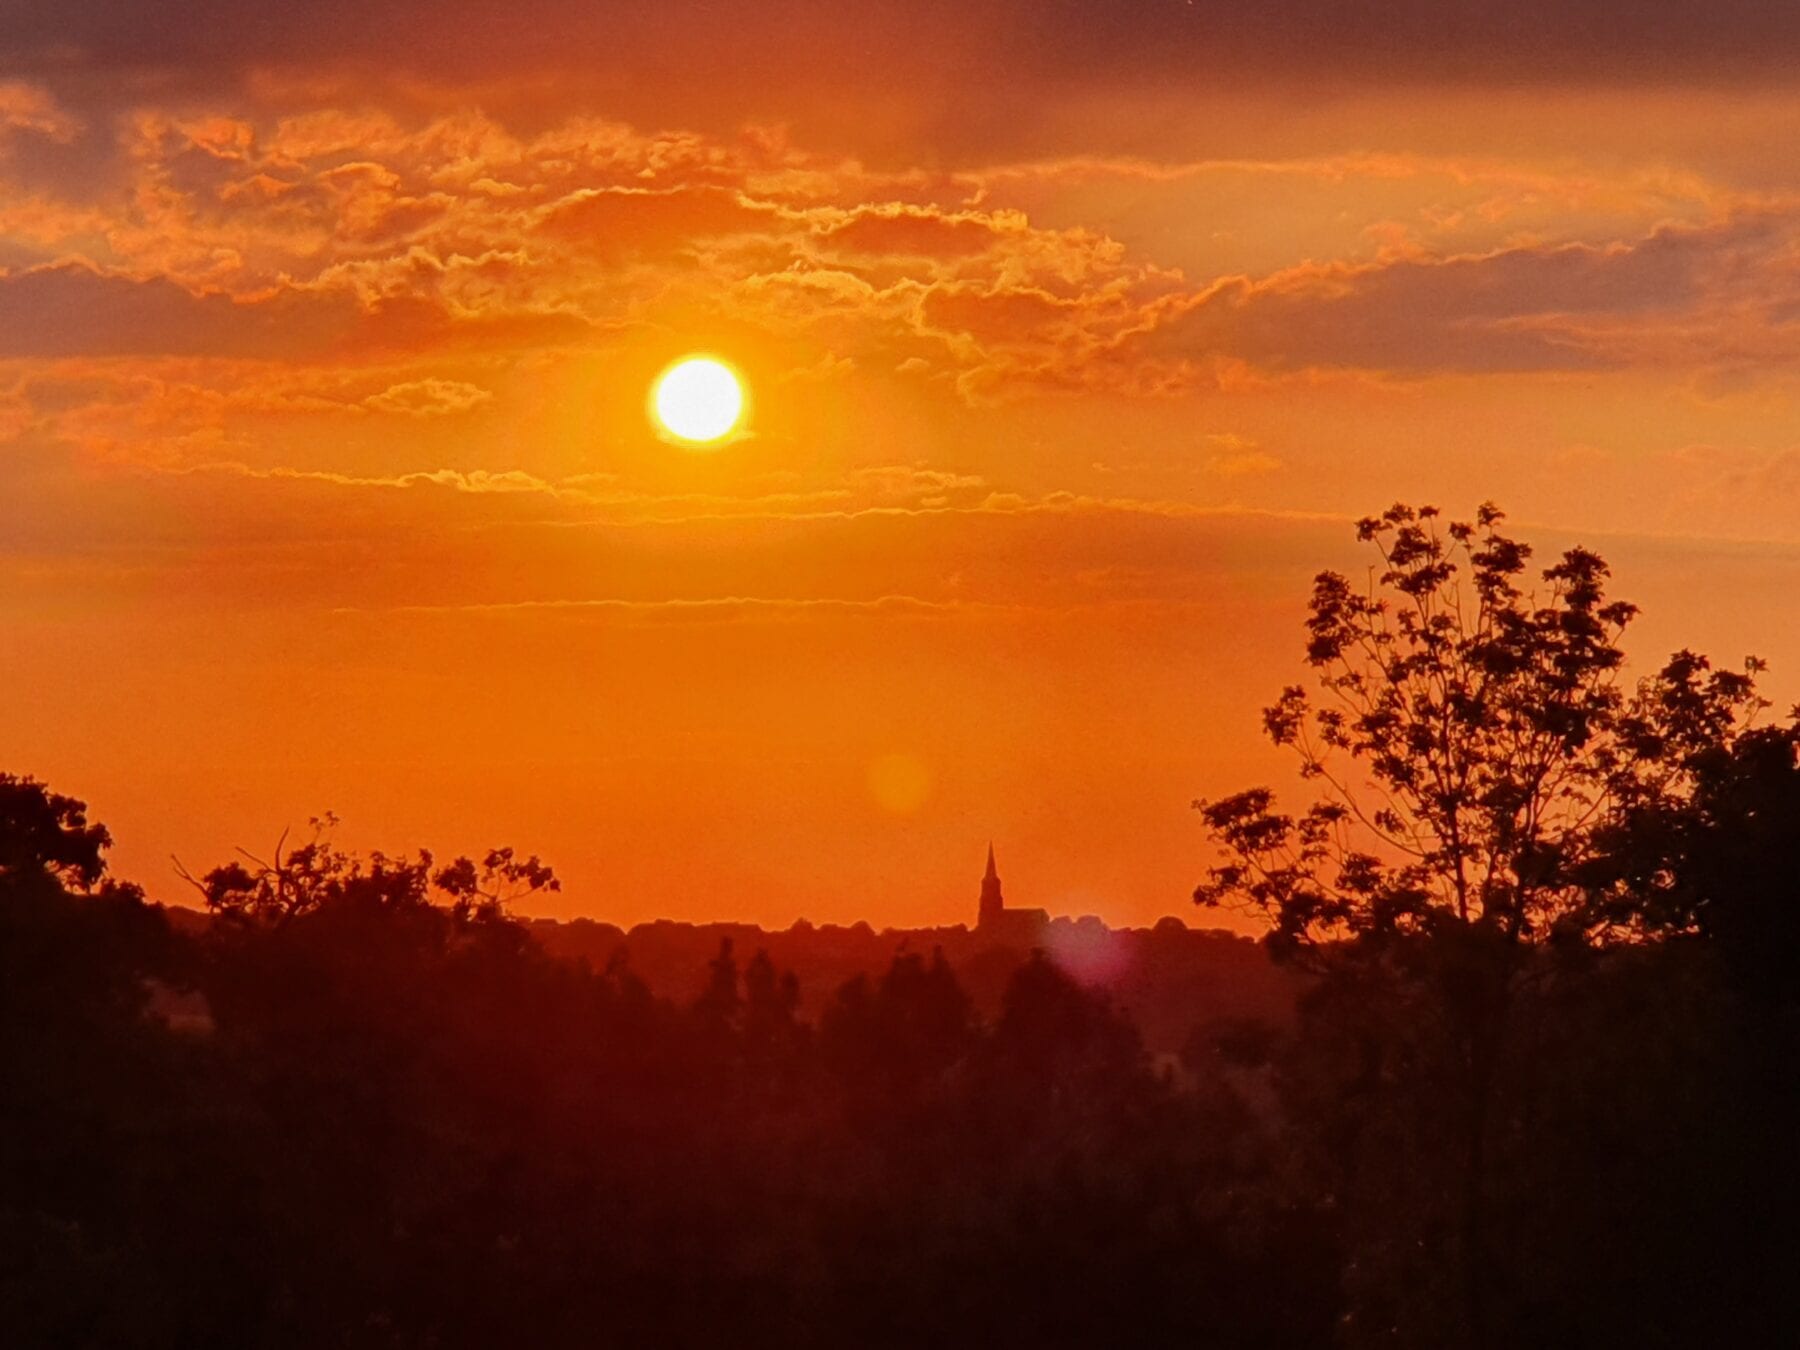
891,1042
1720,870
318,875
1721,862
74,942
45,835
486,891
1491,742
720,1001
1476,745
80,1068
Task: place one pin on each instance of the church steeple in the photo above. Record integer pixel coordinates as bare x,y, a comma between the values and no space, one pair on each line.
997,923
993,906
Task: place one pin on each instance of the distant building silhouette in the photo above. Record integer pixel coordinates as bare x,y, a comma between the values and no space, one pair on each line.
995,920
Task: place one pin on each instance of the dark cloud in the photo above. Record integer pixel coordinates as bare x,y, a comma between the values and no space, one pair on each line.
73,310
1478,41
1517,309
762,55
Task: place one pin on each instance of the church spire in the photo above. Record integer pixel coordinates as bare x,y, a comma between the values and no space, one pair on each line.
993,906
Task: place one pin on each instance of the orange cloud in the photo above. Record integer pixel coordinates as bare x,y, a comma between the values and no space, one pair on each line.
623,222
30,107
920,232
428,398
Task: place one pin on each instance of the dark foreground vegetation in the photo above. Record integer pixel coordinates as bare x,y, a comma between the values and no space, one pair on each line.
1540,1088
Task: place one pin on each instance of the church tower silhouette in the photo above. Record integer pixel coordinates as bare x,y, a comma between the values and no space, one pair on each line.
993,905
994,919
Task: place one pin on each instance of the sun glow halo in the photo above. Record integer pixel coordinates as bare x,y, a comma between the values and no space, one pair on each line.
699,399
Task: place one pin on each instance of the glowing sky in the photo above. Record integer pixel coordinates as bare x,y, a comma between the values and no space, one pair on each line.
1076,334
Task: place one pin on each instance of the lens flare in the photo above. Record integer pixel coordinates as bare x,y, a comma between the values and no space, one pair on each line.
900,783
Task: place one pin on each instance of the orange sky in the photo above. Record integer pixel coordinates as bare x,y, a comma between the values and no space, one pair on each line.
1077,335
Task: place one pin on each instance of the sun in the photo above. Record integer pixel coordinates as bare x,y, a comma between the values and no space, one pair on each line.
699,400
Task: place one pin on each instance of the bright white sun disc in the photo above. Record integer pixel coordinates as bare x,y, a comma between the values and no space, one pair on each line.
698,399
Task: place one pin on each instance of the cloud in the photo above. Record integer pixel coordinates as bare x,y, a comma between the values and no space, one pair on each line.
641,50
428,398
69,309
623,222
330,236
72,309
1516,309
421,243
1234,456
29,107
920,232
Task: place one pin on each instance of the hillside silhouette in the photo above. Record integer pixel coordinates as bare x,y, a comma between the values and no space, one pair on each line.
1515,1064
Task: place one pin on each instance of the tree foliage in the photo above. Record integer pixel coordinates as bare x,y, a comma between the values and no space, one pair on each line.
318,874
45,835
1474,737
1721,862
